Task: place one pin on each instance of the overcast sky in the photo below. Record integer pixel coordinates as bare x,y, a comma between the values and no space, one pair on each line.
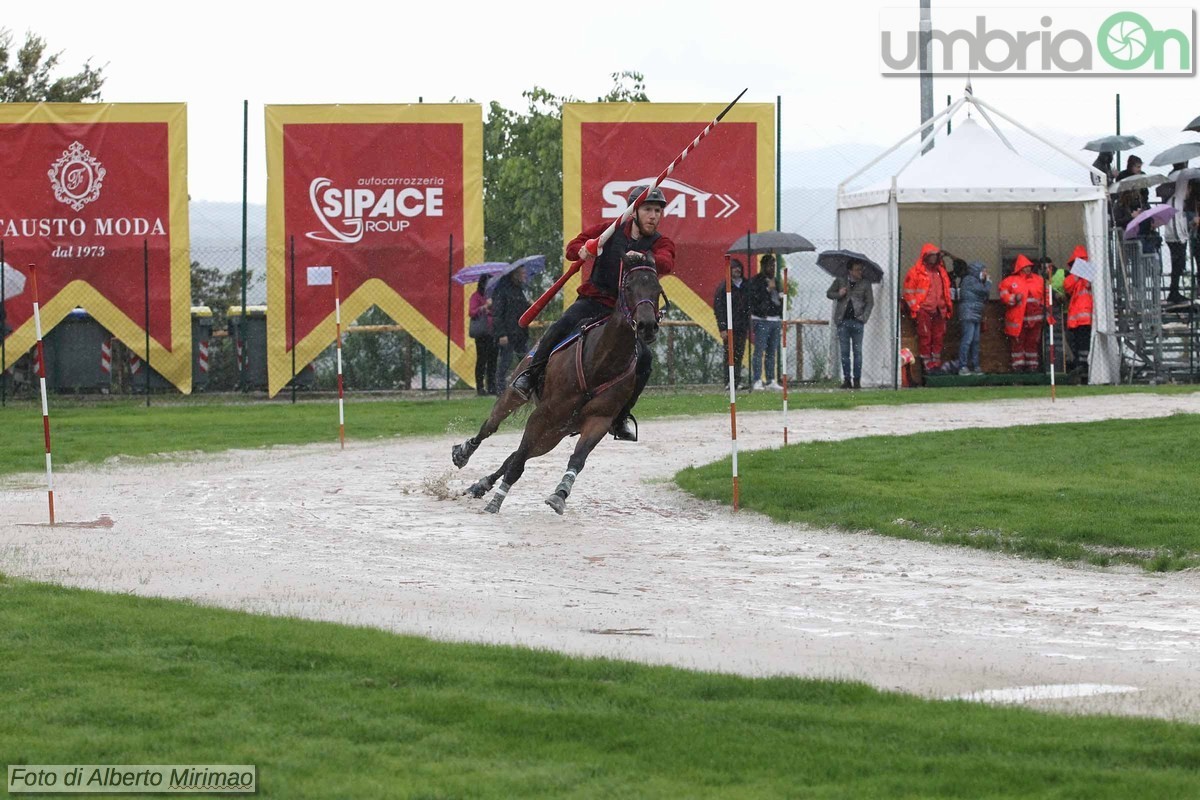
821,58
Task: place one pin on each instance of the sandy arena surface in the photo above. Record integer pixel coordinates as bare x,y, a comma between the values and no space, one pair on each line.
378,535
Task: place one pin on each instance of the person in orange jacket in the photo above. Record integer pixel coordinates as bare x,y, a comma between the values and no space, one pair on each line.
1079,312
927,295
1024,294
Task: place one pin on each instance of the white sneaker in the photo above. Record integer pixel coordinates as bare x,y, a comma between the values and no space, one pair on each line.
774,387
757,387
964,371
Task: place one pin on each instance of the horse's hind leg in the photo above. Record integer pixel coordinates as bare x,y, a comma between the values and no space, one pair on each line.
538,440
590,434
505,405
484,485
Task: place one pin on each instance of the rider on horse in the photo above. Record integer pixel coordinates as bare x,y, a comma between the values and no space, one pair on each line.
635,243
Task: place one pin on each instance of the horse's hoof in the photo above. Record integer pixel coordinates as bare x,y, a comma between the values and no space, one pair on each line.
557,502
460,455
492,508
479,488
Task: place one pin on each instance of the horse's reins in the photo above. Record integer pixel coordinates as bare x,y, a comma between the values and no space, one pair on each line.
628,314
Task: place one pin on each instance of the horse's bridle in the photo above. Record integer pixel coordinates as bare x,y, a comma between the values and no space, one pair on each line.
623,304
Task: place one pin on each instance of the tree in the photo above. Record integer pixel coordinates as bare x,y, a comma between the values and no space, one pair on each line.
29,78
522,172
219,290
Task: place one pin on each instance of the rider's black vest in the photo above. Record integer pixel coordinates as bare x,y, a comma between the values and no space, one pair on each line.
606,270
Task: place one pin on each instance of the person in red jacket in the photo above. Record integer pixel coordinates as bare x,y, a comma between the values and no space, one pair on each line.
636,243
1024,294
927,294
1079,313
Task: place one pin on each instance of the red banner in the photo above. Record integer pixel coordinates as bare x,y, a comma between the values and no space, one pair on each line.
390,197
93,195
724,189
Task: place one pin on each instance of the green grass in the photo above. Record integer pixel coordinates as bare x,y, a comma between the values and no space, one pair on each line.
330,711
89,430
1120,490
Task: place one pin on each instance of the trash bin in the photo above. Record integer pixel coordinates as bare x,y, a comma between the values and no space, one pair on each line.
249,332
202,328
137,376
78,354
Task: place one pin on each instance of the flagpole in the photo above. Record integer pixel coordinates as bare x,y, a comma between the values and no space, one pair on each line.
337,317
41,357
732,383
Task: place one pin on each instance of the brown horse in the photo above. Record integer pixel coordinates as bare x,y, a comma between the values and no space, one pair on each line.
587,383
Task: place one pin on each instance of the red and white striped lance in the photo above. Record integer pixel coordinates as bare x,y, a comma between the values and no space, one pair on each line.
732,383
202,356
337,317
41,365
106,356
531,314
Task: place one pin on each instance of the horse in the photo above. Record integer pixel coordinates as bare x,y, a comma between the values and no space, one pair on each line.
588,380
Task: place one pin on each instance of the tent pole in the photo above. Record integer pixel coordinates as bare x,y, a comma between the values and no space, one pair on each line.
981,104
932,121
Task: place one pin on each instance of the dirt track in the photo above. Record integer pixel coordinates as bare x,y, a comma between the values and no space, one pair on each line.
638,570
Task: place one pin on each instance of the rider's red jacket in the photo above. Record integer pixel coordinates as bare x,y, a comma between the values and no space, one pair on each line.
602,286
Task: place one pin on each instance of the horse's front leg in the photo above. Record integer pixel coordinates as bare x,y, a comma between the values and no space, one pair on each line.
591,432
505,405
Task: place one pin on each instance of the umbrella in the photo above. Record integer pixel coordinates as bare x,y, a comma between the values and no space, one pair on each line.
1135,182
1180,152
771,242
1194,125
1158,215
1111,144
473,273
837,263
14,282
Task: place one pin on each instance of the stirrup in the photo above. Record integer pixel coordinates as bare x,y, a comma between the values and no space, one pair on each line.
625,429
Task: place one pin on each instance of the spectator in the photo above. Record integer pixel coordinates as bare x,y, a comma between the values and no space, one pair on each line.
1023,293
509,303
855,299
485,342
741,317
1176,230
927,294
1104,163
974,289
766,312
1079,314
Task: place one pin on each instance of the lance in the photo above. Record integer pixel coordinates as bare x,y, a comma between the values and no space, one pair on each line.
593,247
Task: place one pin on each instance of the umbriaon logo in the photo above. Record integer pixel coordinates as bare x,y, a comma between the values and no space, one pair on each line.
1149,41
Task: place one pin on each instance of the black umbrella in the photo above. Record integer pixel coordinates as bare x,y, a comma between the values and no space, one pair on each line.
1194,125
1111,144
837,263
771,242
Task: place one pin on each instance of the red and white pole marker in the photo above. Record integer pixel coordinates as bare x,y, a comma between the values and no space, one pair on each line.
337,317
732,383
1050,314
784,369
41,360
594,246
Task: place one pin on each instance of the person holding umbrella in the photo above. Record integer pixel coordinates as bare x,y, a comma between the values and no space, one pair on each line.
766,312
485,343
508,304
853,301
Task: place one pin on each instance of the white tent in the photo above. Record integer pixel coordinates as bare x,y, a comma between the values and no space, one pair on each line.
976,196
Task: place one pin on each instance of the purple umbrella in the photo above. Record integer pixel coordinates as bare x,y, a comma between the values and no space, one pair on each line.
1158,215
472,274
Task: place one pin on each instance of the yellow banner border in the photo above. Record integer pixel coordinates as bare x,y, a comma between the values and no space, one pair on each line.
175,365
373,292
698,308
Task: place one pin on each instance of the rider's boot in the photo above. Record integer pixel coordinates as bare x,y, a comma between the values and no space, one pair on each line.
525,382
